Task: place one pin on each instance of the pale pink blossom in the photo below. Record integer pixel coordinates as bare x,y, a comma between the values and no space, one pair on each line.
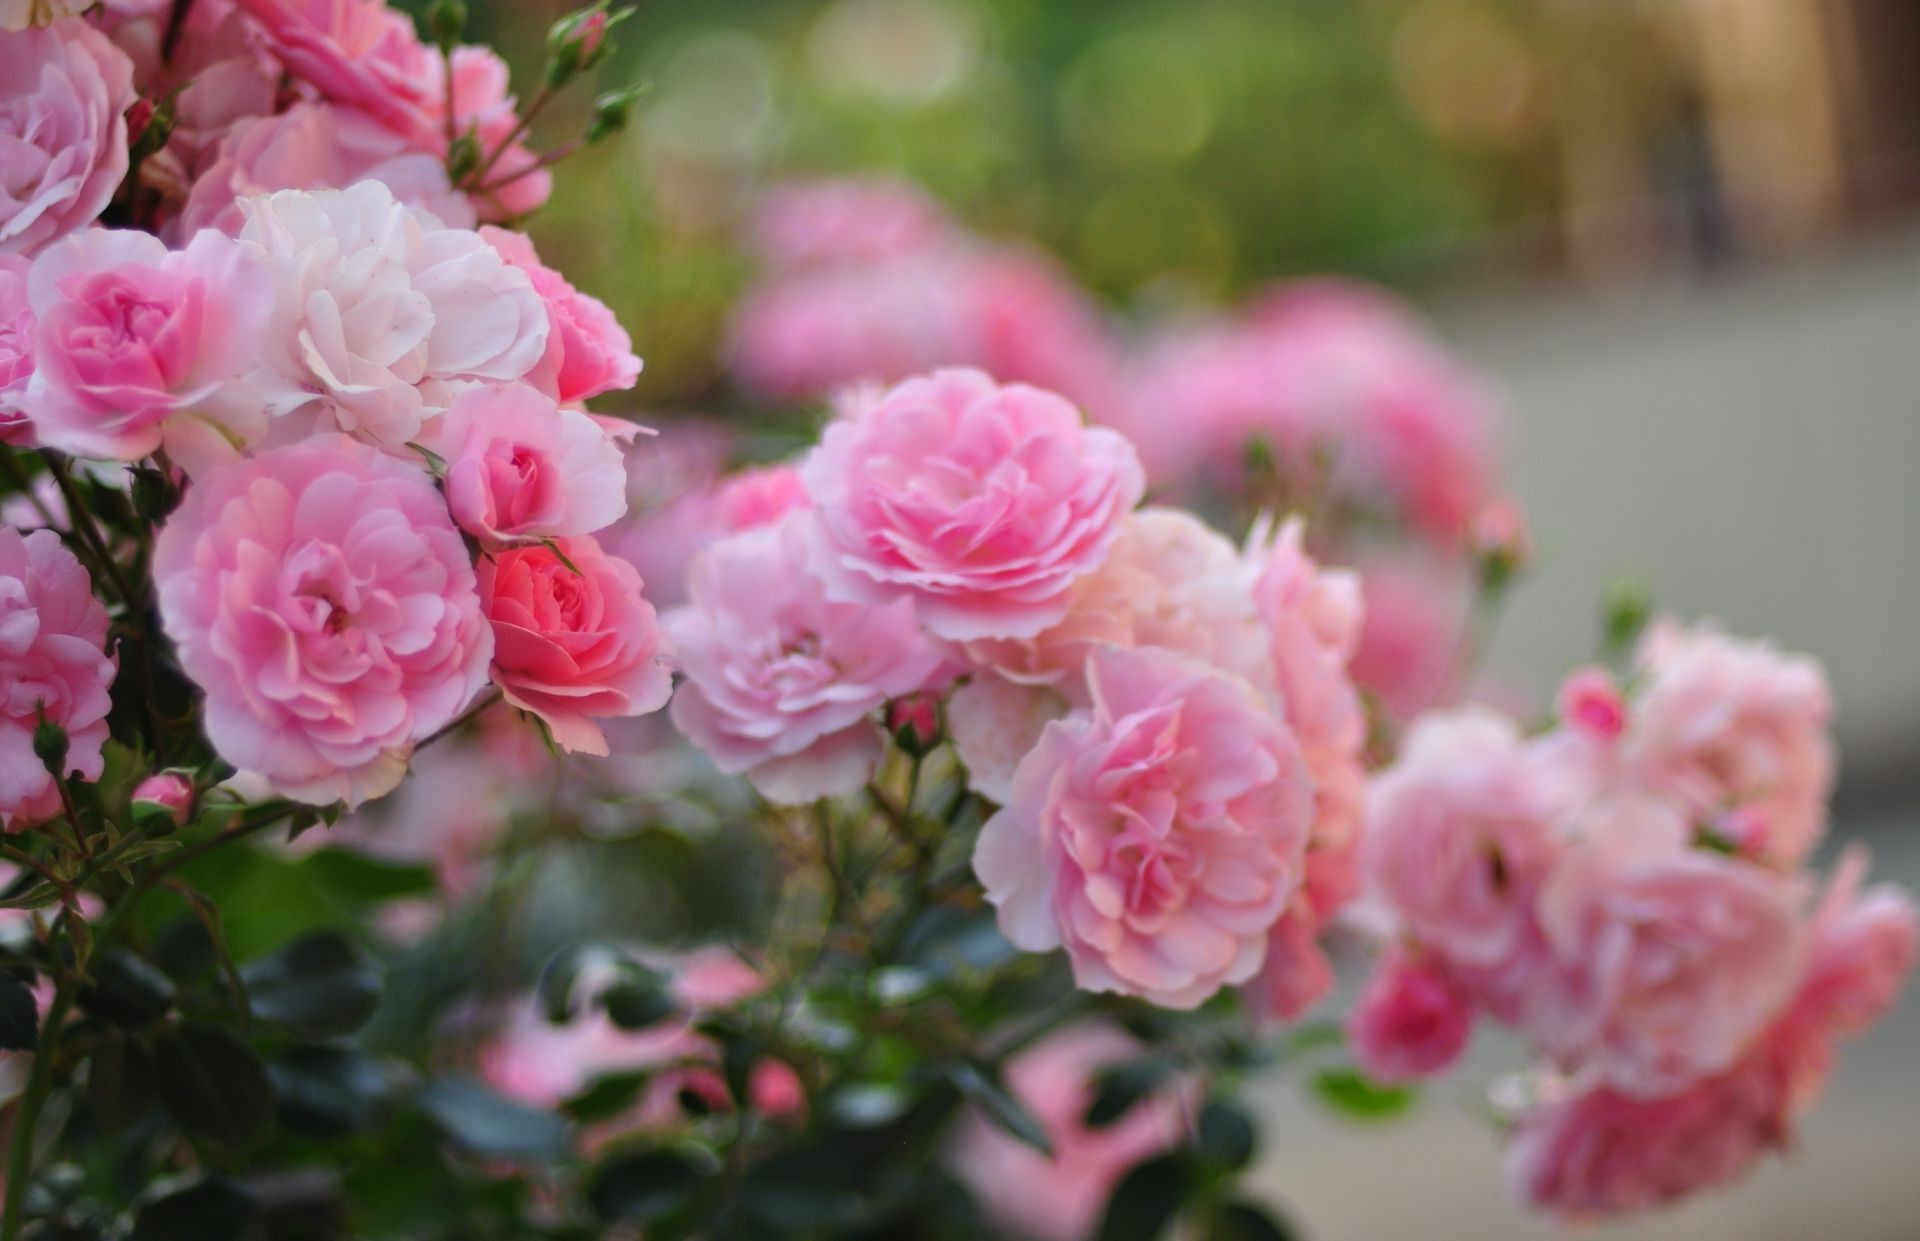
383,314
1296,974
132,338
316,146
1413,637
673,505
574,640
982,504
323,601
17,333
520,467
588,352
1679,956
1411,1021
834,221
780,682
168,793
760,497
995,723
1861,948
1062,1198
1156,835
355,52
1736,732
53,665
64,93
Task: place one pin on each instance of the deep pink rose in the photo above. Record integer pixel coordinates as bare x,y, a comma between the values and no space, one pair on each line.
131,336
780,682
1737,732
1157,835
1410,1021
1679,956
356,52
1062,1198
321,598
316,146
520,467
588,352
834,221
1459,835
983,504
53,663
383,314
17,332
64,92
574,639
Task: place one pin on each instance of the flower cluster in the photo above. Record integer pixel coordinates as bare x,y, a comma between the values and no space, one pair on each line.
1627,891
373,409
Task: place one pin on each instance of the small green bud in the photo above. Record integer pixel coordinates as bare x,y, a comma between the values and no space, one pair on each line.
446,22
50,744
611,112
1626,609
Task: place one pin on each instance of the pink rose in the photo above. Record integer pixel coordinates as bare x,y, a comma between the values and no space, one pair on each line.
1296,974
1737,732
168,793
1591,703
316,146
995,723
1062,1199
834,221
574,641
519,467
1679,956
17,332
588,352
1413,638
1861,948
18,15
782,683
673,507
1459,836
1168,580
516,184
1410,1021
760,497
64,92
1156,836
53,662
383,314
132,336
983,504
355,52
322,600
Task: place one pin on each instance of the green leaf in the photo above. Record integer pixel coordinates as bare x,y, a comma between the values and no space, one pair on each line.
1246,1221
19,1016
120,1082
1145,1201
1225,1135
982,1086
475,1118
643,1187
1117,1088
127,990
213,1084
216,1209
331,1092
37,897
319,986
639,1000
343,870
1348,1092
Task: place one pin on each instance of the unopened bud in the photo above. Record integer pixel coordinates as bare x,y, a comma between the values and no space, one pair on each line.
50,744
155,495
1625,611
165,796
611,112
914,722
463,158
1501,543
446,22
578,42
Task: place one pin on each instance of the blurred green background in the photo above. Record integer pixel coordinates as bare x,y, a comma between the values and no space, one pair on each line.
1192,149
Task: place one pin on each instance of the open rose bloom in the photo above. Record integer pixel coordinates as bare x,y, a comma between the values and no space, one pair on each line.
438,792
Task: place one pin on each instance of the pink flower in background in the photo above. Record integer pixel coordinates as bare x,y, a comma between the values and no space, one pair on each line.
1062,1198
1737,733
131,335
17,333
323,601
835,221
64,92
1156,836
1589,702
53,663
1861,948
760,497
673,505
519,467
316,146
588,352
382,314
780,682
1410,1022
980,503
1028,322
1170,581
1459,836
1680,956
355,52
1412,640
574,640
1296,974
516,185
